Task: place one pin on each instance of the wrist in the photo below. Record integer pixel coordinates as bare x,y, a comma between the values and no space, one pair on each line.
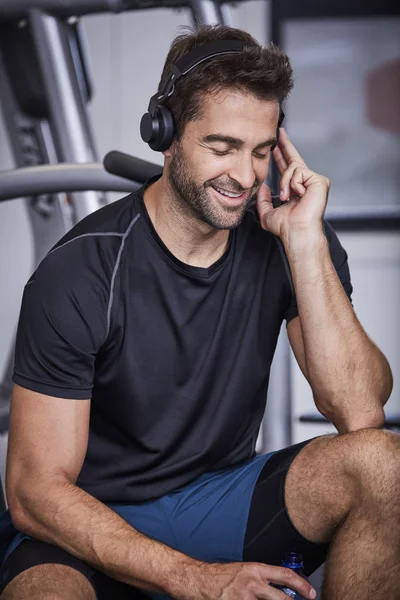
304,239
184,579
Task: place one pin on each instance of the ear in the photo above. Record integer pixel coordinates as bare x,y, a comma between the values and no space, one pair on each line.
169,152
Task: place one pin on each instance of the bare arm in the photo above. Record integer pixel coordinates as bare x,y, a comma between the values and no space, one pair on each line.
350,377
47,445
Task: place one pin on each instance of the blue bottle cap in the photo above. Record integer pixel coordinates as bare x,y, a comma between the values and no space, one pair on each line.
293,560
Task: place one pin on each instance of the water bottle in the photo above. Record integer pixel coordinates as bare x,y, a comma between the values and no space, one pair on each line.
293,561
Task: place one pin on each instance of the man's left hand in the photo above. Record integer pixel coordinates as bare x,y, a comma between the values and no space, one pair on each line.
304,193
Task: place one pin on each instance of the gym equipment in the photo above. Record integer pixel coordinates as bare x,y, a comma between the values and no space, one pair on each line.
67,177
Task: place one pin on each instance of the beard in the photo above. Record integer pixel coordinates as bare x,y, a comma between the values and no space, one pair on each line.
195,200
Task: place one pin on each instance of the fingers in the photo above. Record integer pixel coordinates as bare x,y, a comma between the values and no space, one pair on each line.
271,593
287,577
288,150
287,160
292,180
264,199
279,160
264,203
264,193
297,180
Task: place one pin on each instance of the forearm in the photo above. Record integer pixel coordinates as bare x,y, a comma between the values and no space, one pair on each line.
64,515
349,376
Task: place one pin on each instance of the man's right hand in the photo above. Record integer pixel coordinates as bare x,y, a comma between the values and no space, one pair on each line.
241,581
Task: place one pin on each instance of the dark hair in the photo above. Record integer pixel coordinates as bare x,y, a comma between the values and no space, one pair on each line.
264,72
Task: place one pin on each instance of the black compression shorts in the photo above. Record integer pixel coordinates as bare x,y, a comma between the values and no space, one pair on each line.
242,514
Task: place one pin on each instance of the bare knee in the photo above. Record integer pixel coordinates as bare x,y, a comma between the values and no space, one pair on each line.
372,460
333,474
317,494
49,582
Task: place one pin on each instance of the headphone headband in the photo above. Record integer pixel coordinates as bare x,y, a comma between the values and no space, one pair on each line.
187,62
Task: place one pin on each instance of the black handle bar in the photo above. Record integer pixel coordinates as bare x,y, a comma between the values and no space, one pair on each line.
129,167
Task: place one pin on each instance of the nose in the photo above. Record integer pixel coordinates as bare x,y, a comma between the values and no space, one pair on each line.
243,171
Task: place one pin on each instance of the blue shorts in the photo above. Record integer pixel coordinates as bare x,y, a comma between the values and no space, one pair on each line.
216,518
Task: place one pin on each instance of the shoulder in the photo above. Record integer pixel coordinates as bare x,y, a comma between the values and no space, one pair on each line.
77,273
112,219
92,246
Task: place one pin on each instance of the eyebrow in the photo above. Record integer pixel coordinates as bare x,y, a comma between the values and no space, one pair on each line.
236,142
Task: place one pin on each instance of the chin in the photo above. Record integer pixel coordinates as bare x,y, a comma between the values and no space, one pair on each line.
224,221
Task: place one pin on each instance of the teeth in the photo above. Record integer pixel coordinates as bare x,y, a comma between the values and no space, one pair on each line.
229,194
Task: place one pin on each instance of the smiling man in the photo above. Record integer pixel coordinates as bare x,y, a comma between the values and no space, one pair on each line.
213,177
144,347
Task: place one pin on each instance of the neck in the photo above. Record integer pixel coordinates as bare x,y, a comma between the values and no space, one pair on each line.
188,238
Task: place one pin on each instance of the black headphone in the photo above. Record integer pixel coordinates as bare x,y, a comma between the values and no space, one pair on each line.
157,125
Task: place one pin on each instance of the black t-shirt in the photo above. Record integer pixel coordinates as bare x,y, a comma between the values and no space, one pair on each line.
175,358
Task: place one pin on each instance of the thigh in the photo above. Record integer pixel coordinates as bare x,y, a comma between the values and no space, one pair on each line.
270,530
34,553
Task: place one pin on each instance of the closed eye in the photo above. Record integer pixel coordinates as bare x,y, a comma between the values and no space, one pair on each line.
221,152
226,152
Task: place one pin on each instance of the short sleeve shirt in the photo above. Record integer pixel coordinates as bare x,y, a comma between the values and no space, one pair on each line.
174,358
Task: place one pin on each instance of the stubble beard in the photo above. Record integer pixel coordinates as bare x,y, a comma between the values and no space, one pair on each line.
195,201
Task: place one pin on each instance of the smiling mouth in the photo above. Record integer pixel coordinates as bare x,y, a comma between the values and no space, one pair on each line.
232,199
228,193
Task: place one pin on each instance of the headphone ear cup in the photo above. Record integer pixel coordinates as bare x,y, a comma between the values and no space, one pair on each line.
149,128
158,131
166,129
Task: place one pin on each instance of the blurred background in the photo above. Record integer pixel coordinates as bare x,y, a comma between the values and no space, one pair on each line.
343,115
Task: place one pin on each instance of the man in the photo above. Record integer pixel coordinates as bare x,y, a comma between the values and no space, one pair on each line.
143,354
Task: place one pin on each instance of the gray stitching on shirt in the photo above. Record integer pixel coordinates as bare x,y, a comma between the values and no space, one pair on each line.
85,235
125,235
